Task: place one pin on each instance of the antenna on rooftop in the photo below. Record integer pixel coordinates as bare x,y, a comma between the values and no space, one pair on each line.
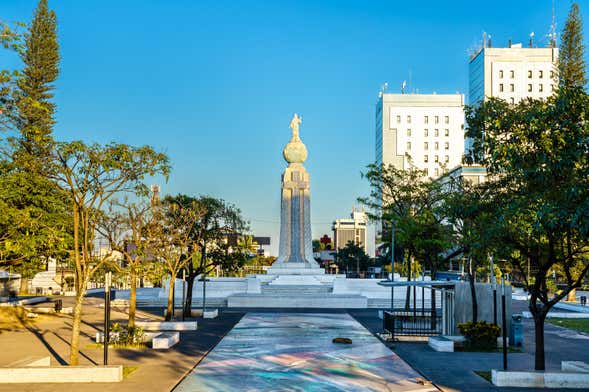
403,85
532,39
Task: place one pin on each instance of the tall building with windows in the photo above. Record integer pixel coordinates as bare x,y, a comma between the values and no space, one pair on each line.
422,131
351,229
512,73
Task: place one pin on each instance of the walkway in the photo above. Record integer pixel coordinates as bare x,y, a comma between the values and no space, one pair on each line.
294,352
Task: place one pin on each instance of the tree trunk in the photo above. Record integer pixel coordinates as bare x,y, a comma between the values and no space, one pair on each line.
188,300
539,338
77,319
170,309
24,285
473,296
132,298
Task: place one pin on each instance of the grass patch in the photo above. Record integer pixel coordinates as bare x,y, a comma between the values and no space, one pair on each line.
127,370
486,374
579,325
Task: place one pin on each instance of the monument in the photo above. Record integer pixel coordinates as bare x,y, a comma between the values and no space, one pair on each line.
295,255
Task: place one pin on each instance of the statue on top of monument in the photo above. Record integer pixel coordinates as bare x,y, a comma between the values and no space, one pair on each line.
295,151
294,124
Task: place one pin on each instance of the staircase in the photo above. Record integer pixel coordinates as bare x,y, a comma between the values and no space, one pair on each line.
278,290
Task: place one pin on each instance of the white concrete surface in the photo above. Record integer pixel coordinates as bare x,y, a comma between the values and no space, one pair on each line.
61,374
310,301
574,366
441,344
31,362
165,340
517,379
167,325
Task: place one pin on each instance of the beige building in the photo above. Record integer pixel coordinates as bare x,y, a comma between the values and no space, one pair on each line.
350,229
421,131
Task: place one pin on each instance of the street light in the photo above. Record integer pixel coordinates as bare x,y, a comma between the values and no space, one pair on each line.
204,281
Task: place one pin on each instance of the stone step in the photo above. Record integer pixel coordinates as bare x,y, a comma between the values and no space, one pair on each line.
335,301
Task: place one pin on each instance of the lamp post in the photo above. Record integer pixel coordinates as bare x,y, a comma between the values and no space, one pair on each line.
503,323
392,265
183,292
494,286
204,281
107,283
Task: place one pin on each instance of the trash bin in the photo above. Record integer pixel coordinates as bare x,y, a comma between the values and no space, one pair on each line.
58,305
516,334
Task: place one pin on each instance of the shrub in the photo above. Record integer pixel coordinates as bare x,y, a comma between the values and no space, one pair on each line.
480,335
126,336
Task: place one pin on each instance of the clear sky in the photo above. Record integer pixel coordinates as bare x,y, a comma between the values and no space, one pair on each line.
215,83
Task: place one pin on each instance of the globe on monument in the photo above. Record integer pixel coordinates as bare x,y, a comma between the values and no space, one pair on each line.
295,151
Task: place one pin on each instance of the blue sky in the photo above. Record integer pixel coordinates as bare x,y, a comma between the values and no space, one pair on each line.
215,83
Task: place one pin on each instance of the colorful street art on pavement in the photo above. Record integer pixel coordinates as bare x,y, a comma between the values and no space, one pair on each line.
294,352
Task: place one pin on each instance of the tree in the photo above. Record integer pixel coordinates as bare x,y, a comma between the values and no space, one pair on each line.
571,61
217,221
353,257
170,239
34,209
536,152
35,86
125,225
92,175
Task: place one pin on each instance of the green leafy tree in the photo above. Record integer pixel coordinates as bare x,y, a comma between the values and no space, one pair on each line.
217,222
571,61
352,257
92,175
536,153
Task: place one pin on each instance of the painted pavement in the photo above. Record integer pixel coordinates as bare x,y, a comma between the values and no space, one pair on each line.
294,352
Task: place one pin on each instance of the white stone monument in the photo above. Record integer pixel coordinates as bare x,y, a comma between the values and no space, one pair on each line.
295,256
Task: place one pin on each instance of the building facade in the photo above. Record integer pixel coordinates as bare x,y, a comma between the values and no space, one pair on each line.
420,131
350,229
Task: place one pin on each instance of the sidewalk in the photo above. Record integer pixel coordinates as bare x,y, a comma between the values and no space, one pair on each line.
156,370
455,371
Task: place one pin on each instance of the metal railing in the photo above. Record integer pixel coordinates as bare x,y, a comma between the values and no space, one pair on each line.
412,322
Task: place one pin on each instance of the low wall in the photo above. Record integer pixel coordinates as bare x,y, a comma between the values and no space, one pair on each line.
61,374
484,293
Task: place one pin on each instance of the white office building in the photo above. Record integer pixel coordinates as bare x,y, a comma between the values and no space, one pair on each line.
351,229
512,73
422,131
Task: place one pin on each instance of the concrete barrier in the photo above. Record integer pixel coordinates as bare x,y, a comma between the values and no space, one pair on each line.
165,340
167,325
61,374
566,380
441,344
517,379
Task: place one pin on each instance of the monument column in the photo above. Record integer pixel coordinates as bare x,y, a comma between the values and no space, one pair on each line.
296,251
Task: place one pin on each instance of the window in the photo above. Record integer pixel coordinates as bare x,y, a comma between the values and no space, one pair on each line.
437,132
408,119
551,74
425,145
437,119
425,132
541,87
540,74
447,119
408,132
511,87
501,88
437,146
529,74
446,132
512,100
425,119
437,171
552,87
529,88
426,170
446,159
436,158
398,119
446,146
512,74
408,145
501,74
426,158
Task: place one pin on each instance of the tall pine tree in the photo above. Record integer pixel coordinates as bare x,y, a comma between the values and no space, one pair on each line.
41,61
571,62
